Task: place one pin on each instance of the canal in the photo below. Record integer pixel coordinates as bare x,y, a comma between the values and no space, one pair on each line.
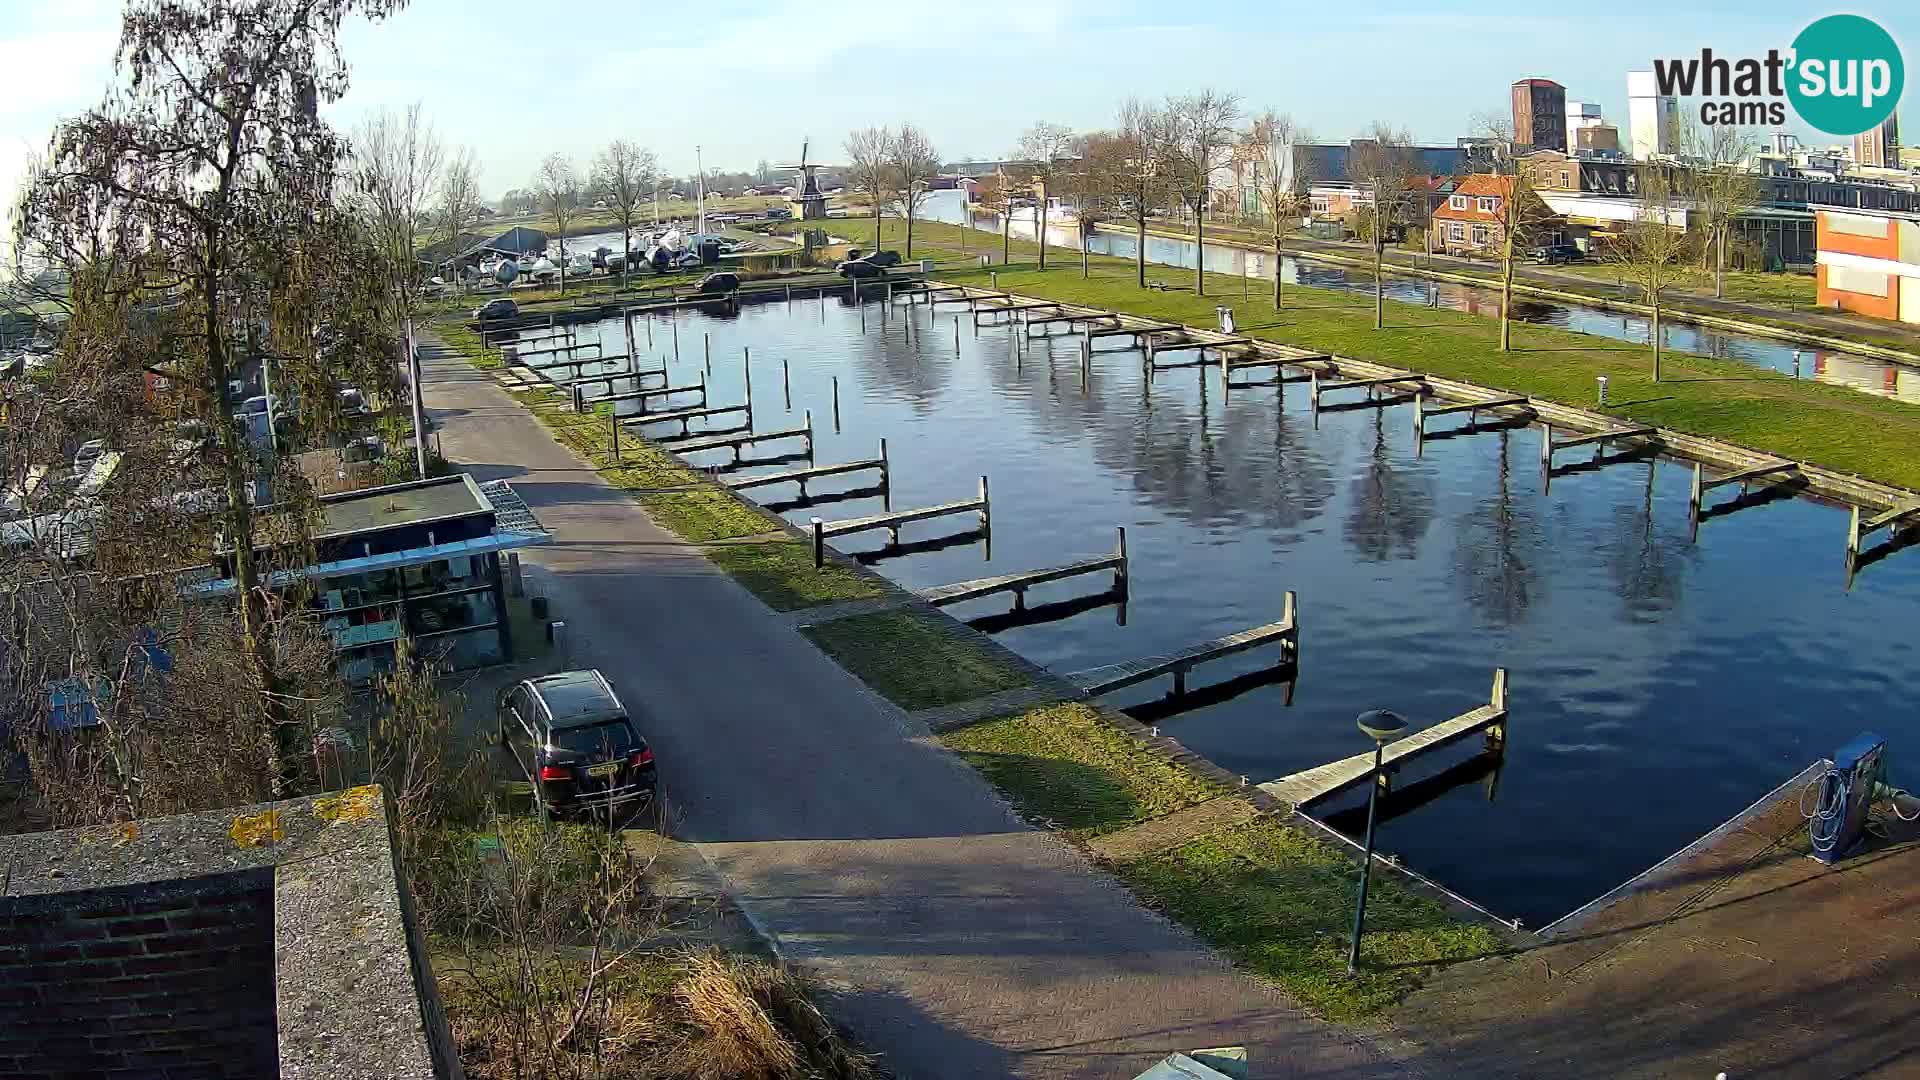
1872,376
1659,685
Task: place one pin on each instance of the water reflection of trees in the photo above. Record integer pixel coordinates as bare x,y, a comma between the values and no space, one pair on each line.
1647,560
908,370
1498,542
1245,464
1391,504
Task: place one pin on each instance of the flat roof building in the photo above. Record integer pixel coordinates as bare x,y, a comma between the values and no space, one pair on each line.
1540,114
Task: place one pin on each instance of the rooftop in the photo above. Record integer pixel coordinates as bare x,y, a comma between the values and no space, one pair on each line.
414,503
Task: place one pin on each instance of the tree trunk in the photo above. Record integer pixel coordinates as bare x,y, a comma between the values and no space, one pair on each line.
1006,235
876,222
1379,282
1086,234
1656,339
563,260
909,230
1040,230
1276,270
1140,249
1506,298
626,245
1720,266
1199,248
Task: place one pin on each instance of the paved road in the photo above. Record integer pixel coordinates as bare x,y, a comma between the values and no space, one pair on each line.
962,943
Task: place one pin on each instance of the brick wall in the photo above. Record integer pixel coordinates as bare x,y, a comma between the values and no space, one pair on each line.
141,981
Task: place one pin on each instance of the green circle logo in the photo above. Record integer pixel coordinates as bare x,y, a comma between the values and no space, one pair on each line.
1847,74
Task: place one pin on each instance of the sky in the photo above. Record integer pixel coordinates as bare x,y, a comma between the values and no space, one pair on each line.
746,82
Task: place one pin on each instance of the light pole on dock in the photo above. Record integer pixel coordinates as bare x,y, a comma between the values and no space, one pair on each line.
1382,726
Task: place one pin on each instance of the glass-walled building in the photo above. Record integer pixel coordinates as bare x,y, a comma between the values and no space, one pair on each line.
422,559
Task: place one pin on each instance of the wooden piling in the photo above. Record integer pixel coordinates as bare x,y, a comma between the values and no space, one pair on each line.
706,342
613,424
986,507
578,404
673,317
819,543
746,368
1121,582
836,404
786,384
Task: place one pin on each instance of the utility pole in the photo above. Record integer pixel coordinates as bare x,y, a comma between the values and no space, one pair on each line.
700,190
419,419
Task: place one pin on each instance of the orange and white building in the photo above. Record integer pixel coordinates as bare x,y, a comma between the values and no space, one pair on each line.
1868,263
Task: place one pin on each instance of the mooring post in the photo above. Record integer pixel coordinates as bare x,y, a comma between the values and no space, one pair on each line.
886,467
986,507
809,415
673,317
1419,418
836,404
746,368
1290,614
789,296
1546,446
613,425
649,316
786,385
1120,582
1497,700
703,390
1853,535
819,543
706,343
578,402
863,318
1313,388
1694,496
956,332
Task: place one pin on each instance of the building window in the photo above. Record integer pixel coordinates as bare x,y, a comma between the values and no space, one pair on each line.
1489,204
1319,204
1456,231
1458,202
1480,236
1566,178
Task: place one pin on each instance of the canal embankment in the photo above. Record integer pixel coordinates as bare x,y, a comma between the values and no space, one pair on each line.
1798,419
1271,887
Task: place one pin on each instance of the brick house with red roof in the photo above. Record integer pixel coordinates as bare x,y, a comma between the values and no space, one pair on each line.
1470,220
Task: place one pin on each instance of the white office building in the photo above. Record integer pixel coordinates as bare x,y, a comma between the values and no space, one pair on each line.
1653,119
1580,114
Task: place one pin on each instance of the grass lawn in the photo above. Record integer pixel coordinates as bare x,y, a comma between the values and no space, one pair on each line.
913,660
1788,291
781,573
1801,419
1062,765
1280,901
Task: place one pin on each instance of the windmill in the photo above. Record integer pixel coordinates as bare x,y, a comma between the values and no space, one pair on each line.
812,204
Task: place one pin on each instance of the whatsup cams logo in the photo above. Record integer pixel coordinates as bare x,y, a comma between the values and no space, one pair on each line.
1843,75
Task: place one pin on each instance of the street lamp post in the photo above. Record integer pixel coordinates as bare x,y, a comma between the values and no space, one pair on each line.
1382,726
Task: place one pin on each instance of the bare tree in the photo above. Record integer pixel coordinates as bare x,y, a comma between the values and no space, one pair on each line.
397,165
558,186
459,198
1280,179
1519,219
915,164
1650,248
1721,190
1047,146
625,174
870,169
1204,127
1383,161
213,161
992,194
1130,170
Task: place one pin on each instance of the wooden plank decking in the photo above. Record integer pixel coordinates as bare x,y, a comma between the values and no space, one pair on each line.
1309,786
1019,583
736,442
802,476
893,519
1096,681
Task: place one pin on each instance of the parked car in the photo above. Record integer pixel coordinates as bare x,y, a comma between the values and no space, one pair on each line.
857,269
502,308
718,283
577,745
1556,253
884,258
88,453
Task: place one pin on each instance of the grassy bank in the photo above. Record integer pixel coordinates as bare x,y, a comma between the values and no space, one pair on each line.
1280,901
914,660
1797,418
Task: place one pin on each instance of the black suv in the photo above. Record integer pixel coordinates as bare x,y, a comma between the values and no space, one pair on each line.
576,744
884,258
855,269
718,284
1556,253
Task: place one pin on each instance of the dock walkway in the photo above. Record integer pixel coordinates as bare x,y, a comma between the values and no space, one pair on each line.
1100,680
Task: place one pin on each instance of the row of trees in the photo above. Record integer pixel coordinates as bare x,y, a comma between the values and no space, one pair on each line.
624,176
891,166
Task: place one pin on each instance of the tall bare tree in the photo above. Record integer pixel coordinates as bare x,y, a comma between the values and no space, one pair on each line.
1204,128
1383,161
870,169
1130,169
459,198
624,175
1650,248
915,164
212,158
1049,147
1720,189
558,186
1280,178
1520,219
397,164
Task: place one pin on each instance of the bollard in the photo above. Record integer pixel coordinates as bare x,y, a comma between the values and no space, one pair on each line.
819,543
1602,380
1796,363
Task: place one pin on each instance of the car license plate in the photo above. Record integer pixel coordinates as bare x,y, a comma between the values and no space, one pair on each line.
608,769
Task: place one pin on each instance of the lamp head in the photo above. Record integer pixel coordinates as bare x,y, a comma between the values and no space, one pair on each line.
1381,725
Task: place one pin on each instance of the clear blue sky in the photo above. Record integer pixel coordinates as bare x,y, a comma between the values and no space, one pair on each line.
517,80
